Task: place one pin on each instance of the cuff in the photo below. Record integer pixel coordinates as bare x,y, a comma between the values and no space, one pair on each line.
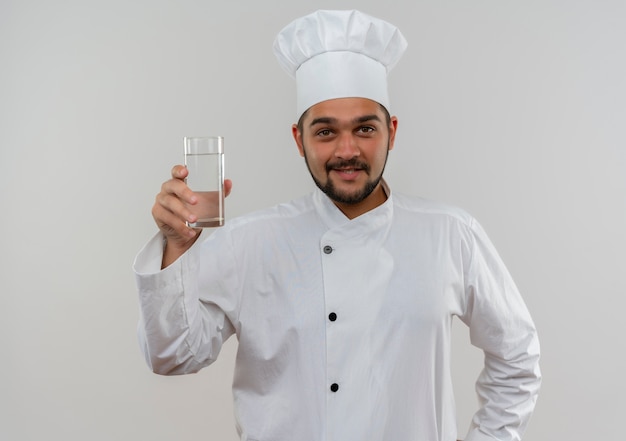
148,260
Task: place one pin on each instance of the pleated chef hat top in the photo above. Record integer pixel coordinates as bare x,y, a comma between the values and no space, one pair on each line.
339,54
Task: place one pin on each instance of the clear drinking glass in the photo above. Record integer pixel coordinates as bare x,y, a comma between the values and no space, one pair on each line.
204,159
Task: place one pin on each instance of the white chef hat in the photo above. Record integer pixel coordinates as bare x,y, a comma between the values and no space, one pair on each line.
339,54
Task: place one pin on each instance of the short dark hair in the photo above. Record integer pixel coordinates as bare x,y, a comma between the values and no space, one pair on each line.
383,108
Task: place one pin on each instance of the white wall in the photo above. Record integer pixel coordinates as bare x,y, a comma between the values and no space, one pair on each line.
513,110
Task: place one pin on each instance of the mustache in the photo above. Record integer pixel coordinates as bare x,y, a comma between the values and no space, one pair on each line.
349,163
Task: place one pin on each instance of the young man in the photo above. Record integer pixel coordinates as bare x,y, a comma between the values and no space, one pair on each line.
342,301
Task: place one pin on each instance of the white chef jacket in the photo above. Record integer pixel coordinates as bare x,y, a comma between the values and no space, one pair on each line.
344,326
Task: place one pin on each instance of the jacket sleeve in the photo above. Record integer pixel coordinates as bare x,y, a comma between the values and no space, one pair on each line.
182,324
500,325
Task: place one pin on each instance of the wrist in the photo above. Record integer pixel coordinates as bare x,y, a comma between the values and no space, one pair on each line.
173,250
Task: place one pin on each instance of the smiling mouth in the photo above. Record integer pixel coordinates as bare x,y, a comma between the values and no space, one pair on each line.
347,174
346,170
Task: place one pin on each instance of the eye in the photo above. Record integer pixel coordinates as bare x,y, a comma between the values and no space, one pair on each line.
324,133
365,129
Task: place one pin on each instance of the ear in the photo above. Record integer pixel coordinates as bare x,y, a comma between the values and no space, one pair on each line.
297,137
393,127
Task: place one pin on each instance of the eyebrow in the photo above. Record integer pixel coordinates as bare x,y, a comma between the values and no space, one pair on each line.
357,120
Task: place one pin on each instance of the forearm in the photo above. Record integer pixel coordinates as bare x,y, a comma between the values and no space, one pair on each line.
507,391
170,328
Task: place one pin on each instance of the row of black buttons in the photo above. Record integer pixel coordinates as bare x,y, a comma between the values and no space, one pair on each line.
332,317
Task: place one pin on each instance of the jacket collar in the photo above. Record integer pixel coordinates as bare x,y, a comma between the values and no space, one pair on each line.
334,218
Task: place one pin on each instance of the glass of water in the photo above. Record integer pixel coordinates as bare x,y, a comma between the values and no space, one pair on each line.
204,159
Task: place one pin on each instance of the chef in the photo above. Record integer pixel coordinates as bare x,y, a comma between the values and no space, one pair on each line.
341,301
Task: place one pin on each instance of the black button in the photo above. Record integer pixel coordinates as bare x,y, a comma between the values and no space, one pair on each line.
334,387
328,249
332,316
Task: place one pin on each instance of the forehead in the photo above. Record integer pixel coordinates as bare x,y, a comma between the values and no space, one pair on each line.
343,109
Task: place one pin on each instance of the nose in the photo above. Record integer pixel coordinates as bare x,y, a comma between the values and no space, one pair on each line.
347,147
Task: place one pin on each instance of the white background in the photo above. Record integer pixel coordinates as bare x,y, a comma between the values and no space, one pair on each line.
515,111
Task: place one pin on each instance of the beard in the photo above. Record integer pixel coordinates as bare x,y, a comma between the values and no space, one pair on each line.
344,197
